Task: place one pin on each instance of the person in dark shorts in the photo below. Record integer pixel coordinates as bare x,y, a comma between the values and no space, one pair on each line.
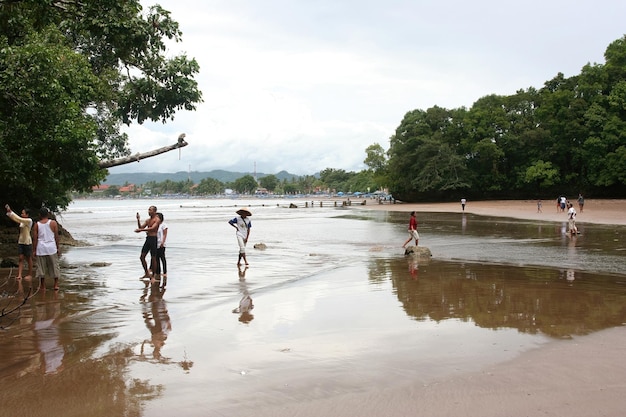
151,227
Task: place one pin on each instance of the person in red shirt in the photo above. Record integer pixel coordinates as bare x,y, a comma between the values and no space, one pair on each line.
412,230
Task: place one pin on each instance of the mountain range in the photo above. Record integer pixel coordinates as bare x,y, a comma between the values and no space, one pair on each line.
138,178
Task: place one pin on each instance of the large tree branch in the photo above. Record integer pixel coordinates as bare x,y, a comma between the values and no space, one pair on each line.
139,156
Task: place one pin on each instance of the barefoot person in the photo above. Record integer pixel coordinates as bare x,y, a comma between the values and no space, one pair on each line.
412,230
571,217
151,227
161,238
243,225
24,241
46,248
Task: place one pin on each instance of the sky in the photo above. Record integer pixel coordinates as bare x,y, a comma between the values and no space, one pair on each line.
305,85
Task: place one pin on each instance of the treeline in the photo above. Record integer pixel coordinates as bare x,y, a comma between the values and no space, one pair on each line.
565,138
329,181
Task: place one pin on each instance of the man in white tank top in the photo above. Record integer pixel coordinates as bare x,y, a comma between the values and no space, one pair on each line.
46,248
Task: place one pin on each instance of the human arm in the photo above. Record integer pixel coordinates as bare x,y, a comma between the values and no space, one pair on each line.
164,237
15,217
35,237
54,226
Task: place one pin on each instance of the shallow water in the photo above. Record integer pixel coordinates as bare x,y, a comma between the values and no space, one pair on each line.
337,308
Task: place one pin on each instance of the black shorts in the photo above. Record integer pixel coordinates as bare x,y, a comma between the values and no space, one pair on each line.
26,250
150,245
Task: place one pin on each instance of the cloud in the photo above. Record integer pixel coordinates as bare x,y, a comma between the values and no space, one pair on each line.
304,86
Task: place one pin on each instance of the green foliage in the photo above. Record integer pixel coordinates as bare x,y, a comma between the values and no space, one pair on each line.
245,185
270,182
70,74
208,186
568,135
542,174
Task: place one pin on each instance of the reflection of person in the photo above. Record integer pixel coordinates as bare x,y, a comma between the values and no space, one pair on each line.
245,304
157,319
46,248
581,202
243,225
24,241
161,238
151,227
413,267
463,201
571,217
413,234
48,340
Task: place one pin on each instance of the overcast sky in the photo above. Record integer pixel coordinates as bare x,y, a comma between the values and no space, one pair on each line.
304,85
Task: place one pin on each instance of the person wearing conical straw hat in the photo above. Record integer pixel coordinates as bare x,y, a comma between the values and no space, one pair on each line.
243,225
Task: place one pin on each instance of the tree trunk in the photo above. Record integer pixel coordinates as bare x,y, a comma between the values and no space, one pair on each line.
139,156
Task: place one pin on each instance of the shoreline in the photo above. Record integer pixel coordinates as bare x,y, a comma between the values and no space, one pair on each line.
595,211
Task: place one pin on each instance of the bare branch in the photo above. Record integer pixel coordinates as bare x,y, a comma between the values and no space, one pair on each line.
139,156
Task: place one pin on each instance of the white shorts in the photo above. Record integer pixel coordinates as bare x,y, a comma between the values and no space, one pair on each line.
414,234
242,244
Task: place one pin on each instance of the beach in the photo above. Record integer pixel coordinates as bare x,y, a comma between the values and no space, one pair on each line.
594,211
582,377
342,325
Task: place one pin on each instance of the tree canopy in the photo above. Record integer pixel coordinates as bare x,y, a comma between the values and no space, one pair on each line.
567,137
71,74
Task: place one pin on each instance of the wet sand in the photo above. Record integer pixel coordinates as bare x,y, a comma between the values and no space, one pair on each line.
579,378
582,376
594,211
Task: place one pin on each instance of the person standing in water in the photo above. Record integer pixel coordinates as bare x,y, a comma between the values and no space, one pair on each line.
151,227
161,238
24,241
46,247
413,234
243,225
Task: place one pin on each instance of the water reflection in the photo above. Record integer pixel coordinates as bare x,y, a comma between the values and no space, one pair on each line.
157,319
558,303
245,304
46,326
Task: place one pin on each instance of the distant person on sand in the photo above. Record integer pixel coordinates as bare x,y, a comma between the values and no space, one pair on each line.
413,234
151,227
24,241
563,203
581,202
242,225
571,217
161,238
46,247
463,201
539,204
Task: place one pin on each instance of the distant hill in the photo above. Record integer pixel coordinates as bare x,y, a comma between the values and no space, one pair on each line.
139,178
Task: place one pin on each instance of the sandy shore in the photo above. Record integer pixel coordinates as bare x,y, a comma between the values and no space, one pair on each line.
594,211
580,377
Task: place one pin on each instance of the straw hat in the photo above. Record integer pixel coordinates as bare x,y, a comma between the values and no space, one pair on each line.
244,212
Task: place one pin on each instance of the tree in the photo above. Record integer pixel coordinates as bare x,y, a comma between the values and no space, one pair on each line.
269,182
541,174
71,73
208,186
376,158
246,184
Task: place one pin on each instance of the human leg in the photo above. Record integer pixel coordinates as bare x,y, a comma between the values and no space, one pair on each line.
408,240
20,263
242,250
163,261
42,271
